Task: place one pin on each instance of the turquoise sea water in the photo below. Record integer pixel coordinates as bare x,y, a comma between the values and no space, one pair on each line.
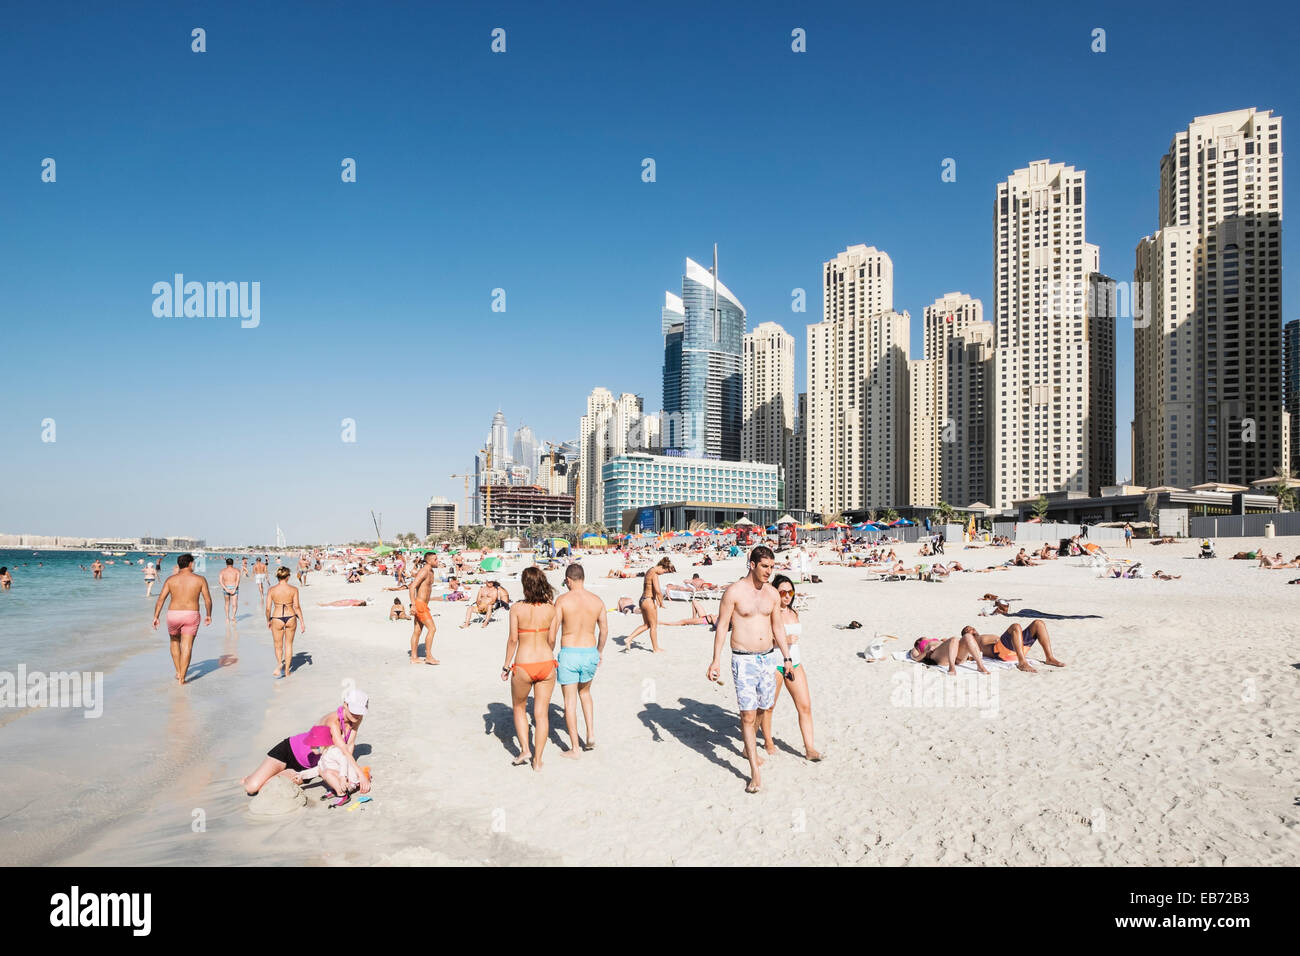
67,774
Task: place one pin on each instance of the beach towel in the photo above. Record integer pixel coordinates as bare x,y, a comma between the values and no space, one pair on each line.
989,663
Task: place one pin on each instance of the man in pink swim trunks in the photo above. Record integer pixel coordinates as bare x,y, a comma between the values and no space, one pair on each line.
185,588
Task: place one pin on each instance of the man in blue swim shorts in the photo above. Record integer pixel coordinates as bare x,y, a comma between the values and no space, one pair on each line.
580,613
751,615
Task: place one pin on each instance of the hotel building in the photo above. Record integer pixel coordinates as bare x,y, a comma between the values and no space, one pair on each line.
640,480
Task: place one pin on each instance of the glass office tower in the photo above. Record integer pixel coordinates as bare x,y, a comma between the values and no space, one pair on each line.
704,334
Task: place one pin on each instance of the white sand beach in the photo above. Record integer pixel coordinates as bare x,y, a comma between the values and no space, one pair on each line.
1168,739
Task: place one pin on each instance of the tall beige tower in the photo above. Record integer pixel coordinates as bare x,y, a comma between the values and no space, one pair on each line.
768,390
924,423
1207,352
857,388
967,451
1045,389
945,319
611,427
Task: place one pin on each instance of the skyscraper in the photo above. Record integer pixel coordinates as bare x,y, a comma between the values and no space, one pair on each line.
857,388
703,401
525,451
611,427
1291,346
944,319
1048,386
768,396
1207,345
967,454
498,442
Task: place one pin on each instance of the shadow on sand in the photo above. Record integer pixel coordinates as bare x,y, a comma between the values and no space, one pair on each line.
703,727
500,720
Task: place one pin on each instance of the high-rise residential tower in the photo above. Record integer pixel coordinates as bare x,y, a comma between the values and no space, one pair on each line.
611,427
944,319
1291,346
1046,378
768,396
703,334
498,441
857,388
967,452
525,451
1207,349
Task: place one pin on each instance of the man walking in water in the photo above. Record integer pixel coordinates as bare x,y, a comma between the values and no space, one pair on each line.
229,579
580,612
751,613
150,577
97,569
184,588
259,578
418,591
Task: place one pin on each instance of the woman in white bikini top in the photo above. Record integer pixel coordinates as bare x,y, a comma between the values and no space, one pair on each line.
799,682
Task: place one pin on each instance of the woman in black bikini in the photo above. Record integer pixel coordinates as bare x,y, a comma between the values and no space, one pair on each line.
283,612
652,598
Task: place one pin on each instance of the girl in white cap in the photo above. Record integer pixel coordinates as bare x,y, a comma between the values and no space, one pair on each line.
337,767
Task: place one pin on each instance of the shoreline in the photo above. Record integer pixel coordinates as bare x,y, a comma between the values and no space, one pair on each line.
1163,741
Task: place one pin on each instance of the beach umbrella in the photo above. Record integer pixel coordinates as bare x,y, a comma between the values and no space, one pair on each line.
384,549
771,527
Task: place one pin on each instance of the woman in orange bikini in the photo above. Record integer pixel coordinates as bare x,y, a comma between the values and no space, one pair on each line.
652,598
530,662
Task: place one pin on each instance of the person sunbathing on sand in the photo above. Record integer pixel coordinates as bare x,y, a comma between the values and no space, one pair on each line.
697,616
1011,644
1022,560
343,602
1166,577
949,652
398,612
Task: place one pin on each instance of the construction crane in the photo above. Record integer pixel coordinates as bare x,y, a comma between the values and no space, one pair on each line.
467,478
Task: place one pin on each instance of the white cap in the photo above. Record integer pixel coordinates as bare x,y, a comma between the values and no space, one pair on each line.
357,702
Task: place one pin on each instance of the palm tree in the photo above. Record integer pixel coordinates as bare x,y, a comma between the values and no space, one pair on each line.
1286,497
890,516
946,512
1040,507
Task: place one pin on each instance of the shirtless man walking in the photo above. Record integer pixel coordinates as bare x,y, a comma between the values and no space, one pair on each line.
97,569
302,569
184,588
229,580
580,612
418,591
751,615
259,578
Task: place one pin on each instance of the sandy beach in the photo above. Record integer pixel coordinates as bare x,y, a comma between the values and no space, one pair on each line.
1169,737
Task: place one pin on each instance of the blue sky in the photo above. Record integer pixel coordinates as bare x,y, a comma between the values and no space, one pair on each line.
519,171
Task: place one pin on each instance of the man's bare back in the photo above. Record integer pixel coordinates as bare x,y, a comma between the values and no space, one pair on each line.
185,588
580,611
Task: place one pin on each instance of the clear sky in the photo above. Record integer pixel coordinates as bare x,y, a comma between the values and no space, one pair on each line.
519,171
